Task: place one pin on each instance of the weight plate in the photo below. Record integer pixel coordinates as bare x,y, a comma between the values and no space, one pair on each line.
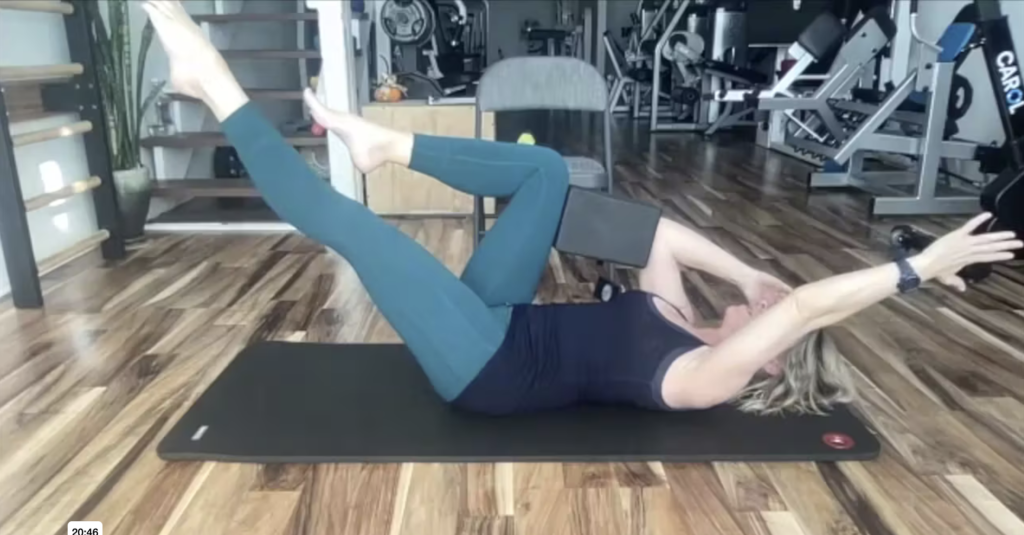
408,22
961,96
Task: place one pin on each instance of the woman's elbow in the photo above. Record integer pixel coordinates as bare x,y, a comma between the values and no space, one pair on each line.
808,306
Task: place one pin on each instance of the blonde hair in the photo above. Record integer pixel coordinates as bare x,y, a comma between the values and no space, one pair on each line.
814,378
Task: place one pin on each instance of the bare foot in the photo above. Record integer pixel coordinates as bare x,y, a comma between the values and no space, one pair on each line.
193,58
370,145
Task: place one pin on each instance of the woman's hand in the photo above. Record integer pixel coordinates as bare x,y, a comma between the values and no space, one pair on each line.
952,252
763,290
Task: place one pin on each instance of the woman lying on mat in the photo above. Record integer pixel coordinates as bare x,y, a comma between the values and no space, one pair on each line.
481,342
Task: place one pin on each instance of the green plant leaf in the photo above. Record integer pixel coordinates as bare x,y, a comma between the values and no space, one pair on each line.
120,86
154,93
128,81
144,44
123,61
103,57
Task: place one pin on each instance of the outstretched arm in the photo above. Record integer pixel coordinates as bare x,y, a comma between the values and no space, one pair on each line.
726,368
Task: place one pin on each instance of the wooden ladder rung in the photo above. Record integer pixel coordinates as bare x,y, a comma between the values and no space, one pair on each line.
46,6
57,260
46,199
56,132
40,73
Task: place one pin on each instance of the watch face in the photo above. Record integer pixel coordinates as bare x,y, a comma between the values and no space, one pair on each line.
908,283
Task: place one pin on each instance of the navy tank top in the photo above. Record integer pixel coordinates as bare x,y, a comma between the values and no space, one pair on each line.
565,354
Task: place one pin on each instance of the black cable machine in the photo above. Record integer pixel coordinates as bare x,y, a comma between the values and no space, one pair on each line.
1003,196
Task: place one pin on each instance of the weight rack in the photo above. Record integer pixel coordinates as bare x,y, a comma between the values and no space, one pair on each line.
71,87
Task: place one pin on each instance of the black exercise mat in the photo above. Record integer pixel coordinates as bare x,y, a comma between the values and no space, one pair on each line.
301,403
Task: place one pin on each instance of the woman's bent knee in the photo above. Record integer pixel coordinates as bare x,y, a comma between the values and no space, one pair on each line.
552,165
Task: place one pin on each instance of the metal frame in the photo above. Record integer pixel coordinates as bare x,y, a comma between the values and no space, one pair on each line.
771,134
728,97
79,94
625,93
804,61
656,125
930,148
856,58
998,41
90,108
634,40
14,231
621,82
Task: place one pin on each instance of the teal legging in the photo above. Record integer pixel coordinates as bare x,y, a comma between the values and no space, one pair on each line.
453,326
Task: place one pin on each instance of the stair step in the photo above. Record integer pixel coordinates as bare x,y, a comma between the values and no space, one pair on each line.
205,187
41,6
256,17
18,116
26,74
196,140
270,54
255,94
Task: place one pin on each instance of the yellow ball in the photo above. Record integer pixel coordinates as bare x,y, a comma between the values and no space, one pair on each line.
526,138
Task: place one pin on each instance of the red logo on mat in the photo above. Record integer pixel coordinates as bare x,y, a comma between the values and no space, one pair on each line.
838,441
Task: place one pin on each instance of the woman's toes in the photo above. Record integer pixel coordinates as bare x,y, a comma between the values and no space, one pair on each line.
313,103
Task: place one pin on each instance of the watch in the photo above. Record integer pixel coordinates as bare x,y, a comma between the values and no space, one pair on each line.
909,279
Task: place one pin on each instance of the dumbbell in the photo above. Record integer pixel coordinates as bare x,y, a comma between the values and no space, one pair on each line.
907,239
606,290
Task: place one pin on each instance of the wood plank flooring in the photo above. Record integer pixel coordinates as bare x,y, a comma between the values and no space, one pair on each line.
91,384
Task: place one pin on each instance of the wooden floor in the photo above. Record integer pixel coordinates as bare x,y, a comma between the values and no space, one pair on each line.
88,387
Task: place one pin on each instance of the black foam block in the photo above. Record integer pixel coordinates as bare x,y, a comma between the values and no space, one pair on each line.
607,227
302,403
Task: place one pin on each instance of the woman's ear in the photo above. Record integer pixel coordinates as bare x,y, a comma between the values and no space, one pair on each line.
774,367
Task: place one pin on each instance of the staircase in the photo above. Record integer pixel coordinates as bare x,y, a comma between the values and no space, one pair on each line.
49,104
269,46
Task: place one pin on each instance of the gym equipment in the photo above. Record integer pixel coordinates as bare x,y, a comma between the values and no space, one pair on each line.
552,41
647,22
408,22
1004,196
314,403
606,290
820,121
905,239
631,82
664,49
421,87
815,44
715,31
608,228
446,40
912,120
686,50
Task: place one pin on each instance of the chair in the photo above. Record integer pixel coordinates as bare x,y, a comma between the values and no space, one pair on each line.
548,83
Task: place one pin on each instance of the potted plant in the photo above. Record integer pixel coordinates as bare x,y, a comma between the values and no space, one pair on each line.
124,107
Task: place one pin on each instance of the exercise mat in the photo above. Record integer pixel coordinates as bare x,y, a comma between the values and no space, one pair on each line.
304,403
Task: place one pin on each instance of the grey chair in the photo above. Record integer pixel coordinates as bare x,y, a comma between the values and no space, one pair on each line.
548,83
